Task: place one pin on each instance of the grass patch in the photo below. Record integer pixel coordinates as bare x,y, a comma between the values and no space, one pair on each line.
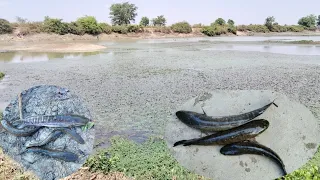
150,160
1,75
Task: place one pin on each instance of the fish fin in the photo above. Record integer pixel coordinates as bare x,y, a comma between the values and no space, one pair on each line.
204,111
274,103
179,143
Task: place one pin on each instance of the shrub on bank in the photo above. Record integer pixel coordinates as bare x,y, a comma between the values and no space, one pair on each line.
163,29
181,27
74,28
295,28
105,28
120,29
53,25
215,30
134,28
89,24
5,27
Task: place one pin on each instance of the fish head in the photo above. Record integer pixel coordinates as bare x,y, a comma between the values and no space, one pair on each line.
229,149
184,116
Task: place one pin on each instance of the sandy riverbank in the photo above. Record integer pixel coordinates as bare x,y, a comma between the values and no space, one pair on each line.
54,47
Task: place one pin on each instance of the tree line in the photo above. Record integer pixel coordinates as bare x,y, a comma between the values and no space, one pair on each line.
123,16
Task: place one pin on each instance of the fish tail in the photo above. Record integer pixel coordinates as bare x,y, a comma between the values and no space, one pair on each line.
179,143
274,103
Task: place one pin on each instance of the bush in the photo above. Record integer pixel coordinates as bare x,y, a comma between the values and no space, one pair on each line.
232,29
30,28
165,30
295,28
105,28
311,173
120,29
253,28
181,27
214,30
89,24
308,21
5,27
74,28
134,28
53,25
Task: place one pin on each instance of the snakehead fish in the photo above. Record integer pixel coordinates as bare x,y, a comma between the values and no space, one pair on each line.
219,123
247,147
62,155
55,134
28,131
53,121
240,133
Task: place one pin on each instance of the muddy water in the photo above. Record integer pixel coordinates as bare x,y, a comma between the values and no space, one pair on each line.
133,87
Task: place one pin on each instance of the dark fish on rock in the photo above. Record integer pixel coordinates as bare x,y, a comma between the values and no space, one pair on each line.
62,155
240,133
53,121
247,147
219,123
27,131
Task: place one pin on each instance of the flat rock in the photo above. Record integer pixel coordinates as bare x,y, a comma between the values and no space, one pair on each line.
47,100
293,134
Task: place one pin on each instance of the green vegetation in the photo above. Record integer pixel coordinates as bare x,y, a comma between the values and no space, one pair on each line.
144,21
53,25
159,21
1,76
122,16
305,174
308,21
89,24
5,26
270,21
123,13
219,27
181,27
105,28
150,160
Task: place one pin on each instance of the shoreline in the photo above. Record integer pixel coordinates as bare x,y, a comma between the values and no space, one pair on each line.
43,42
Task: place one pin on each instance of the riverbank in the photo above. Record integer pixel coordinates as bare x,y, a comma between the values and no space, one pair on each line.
150,34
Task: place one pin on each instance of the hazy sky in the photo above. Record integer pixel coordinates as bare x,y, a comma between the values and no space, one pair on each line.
200,11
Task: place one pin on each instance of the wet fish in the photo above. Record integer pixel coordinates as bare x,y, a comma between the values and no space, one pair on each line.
55,134
62,155
28,131
219,123
73,134
51,137
240,133
247,147
53,121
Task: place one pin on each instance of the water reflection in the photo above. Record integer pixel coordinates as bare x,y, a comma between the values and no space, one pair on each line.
279,49
27,57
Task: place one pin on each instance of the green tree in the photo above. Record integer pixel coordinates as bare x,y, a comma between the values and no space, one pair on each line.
144,21
231,22
159,21
308,21
220,21
123,13
270,22
89,24
5,27
319,20
181,27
